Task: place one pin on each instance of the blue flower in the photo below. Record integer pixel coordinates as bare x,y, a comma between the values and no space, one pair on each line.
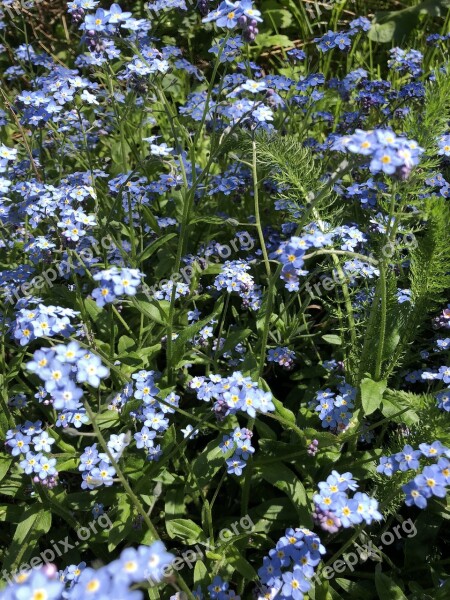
347,511
154,559
91,370
414,495
388,465
38,585
408,458
433,450
431,482
217,587
20,444
30,462
294,584
46,467
98,21
43,442
97,510
144,438
67,397
128,568
235,465
92,583
103,474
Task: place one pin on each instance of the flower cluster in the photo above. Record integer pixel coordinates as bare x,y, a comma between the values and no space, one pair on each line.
289,566
30,442
239,442
235,278
241,14
79,582
442,374
291,253
217,590
115,282
334,410
6,155
281,355
431,481
167,289
151,411
404,61
340,39
232,394
96,466
388,153
333,508
60,368
313,448
42,321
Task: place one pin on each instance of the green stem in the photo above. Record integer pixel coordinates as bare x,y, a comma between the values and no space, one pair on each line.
135,500
383,319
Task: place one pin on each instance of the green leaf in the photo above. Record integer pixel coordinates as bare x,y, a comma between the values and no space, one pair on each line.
394,404
107,419
200,573
332,339
281,17
5,463
284,412
153,310
355,589
35,522
208,463
154,247
272,514
125,344
422,538
242,566
92,309
185,530
266,40
382,32
66,462
395,25
211,219
372,394
386,588
234,338
150,219
188,333
281,476
122,522
174,503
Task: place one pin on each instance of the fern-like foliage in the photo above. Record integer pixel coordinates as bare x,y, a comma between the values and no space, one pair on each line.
430,274
424,424
300,176
432,121
292,165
